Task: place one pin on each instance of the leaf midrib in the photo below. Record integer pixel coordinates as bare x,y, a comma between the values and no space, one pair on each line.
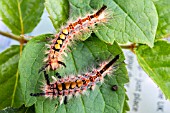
20,17
15,87
150,68
132,20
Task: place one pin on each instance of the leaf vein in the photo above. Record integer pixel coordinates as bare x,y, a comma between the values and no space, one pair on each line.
132,20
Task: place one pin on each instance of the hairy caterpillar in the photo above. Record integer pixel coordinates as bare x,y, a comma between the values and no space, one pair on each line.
59,43
71,86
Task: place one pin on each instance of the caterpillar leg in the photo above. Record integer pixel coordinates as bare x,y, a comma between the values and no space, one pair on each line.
65,100
46,78
58,75
62,63
43,68
37,94
47,82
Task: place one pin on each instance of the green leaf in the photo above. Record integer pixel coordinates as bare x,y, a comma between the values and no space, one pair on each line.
58,11
163,9
11,94
134,20
82,56
126,106
22,109
156,63
21,16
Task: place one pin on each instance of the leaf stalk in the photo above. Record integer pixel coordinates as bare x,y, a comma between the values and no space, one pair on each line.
14,37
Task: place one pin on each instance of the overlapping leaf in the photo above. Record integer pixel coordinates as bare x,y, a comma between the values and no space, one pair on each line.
156,63
58,11
22,109
81,57
21,16
11,94
131,20
163,9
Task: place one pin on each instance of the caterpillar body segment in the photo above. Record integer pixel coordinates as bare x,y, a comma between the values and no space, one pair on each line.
59,44
74,85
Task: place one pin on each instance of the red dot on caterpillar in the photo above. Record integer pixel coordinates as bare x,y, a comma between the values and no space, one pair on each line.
66,35
72,86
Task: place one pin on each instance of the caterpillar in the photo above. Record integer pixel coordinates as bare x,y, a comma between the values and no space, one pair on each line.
71,86
62,39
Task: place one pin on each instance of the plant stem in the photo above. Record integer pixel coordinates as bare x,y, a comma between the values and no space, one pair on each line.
17,38
131,47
